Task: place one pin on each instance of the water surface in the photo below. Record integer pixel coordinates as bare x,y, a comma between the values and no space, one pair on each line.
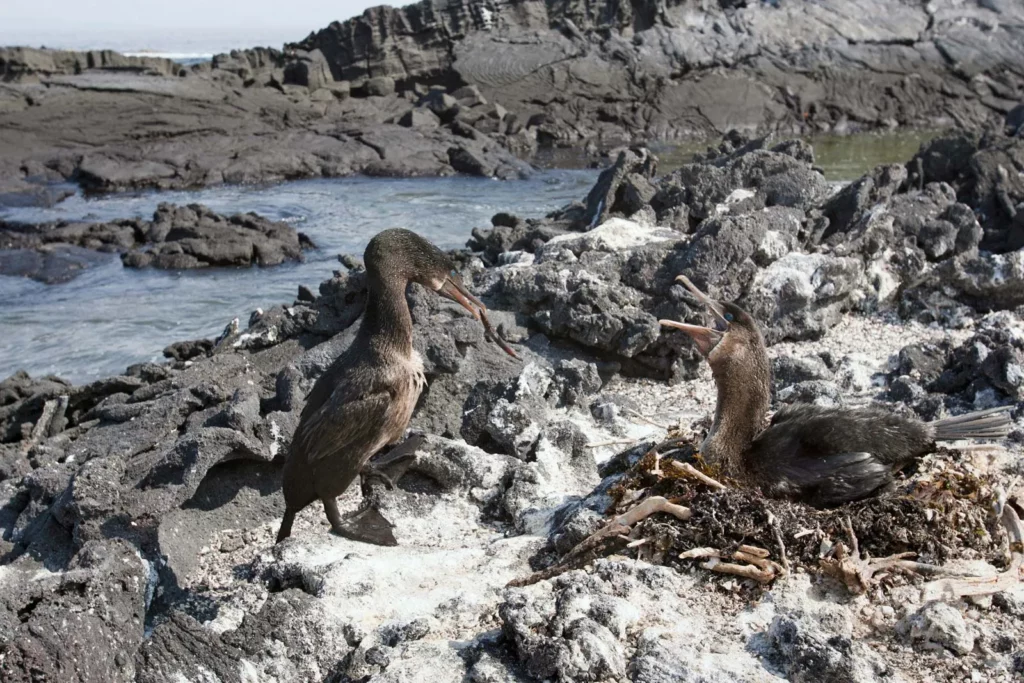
110,317
842,157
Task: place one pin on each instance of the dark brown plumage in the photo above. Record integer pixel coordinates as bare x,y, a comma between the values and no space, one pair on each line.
822,456
366,397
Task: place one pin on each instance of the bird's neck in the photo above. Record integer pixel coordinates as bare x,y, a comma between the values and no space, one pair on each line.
740,416
387,322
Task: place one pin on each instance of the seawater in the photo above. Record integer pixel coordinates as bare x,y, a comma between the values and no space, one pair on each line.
110,317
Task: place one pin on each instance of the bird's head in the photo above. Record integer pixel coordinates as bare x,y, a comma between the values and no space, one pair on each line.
731,340
404,255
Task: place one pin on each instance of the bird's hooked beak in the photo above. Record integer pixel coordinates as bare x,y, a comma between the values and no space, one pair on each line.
706,338
454,289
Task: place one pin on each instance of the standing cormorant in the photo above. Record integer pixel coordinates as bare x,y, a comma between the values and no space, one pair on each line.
822,456
366,397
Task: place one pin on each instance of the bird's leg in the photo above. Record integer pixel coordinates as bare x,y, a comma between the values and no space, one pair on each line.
616,528
390,467
368,474
333,515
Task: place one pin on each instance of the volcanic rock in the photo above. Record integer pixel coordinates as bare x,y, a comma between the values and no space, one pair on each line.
178,237
138,513
668,71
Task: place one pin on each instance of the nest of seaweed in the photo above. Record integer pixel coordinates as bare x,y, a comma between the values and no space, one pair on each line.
667,508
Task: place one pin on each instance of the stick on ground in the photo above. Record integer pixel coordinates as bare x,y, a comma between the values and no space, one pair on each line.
955,588
617,528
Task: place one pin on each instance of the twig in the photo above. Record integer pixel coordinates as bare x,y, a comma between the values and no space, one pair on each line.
862,573
614,529
848,526
759,562
778,540
952,589
613,442
691,471
753,550
746,571
648,420
758,567
649,507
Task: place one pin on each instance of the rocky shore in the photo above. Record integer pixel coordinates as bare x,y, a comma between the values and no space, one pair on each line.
248,117
178,238
676,69
138,512
438,88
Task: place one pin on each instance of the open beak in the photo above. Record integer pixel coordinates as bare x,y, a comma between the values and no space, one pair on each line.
456,291
713,306
706,338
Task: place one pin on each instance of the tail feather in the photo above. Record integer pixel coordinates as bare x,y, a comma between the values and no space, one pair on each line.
286,525
994,423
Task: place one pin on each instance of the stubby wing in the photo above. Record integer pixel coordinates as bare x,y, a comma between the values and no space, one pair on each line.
344,424
835,479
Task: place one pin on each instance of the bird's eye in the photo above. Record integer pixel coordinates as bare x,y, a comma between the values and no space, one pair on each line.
728,316
453,273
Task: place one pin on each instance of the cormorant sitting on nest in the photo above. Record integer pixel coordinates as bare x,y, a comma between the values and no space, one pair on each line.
821,456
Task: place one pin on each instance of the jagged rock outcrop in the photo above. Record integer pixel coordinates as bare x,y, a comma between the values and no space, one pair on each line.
506,76
681,68
178,238
986,171
250,116
29,65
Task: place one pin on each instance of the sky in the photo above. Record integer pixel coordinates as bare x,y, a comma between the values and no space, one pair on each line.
169,25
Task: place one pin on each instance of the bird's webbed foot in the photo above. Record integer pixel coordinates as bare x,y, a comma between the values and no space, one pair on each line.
366,526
